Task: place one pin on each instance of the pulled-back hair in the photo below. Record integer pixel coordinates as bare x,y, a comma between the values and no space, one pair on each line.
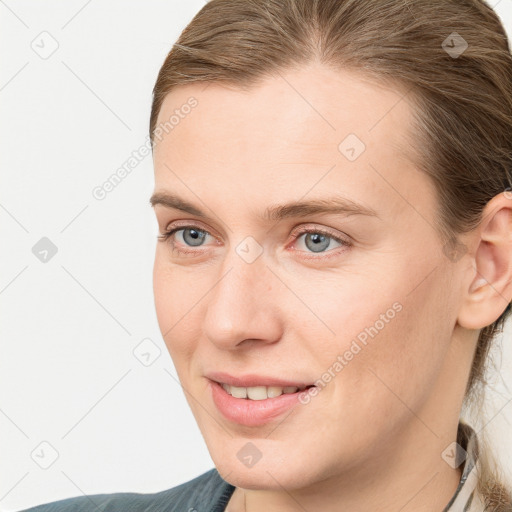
462,128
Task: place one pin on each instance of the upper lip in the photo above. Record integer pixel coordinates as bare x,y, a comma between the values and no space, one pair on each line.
253,380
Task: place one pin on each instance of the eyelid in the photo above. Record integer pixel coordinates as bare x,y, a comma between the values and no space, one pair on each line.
175,226
313,228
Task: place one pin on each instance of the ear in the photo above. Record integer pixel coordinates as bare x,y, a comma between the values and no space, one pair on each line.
488,287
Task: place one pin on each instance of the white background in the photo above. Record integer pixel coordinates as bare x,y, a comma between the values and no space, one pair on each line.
68,375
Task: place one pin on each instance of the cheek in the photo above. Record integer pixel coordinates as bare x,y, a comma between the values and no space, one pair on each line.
392,353
175,301
390,334
349,312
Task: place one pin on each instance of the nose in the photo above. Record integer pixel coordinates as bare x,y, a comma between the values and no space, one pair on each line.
241,308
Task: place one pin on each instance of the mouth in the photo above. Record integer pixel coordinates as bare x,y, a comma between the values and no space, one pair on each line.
248,401
261,392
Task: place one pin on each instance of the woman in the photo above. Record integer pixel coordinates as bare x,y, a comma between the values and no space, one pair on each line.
333,194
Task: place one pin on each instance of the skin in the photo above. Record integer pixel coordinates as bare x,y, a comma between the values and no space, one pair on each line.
372,438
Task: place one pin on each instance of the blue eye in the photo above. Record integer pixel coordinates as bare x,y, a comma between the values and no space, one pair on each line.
193,237
313,240
318,241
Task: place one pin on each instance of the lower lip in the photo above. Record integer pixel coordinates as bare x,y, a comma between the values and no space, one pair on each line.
251,413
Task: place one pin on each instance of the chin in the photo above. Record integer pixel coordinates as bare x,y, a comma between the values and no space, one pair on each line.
263,478
271,472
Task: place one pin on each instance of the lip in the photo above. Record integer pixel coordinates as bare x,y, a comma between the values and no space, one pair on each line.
251,380
252,413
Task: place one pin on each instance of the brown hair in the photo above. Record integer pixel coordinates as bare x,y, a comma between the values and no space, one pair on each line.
462,134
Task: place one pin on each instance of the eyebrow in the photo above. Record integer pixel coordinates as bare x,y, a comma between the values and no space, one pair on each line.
335,204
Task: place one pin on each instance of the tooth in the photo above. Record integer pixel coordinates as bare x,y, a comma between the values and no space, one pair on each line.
239,392
257,393
226,388
290,389
273,391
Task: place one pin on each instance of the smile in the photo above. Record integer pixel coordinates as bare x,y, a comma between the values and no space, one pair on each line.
245,401
260,392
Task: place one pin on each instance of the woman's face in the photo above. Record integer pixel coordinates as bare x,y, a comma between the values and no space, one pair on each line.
308,257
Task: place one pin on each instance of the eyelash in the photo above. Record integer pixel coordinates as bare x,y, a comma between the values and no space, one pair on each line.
164,237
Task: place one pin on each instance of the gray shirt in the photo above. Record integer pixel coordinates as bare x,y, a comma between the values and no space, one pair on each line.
206,493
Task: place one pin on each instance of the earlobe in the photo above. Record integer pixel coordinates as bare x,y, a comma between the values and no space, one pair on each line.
489,288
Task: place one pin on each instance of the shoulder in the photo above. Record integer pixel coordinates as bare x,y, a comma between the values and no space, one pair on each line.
207,492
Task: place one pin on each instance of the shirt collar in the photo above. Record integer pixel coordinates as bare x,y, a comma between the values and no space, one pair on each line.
467,497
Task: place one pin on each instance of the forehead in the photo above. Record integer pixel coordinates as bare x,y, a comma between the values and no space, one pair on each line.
310,101
285,133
